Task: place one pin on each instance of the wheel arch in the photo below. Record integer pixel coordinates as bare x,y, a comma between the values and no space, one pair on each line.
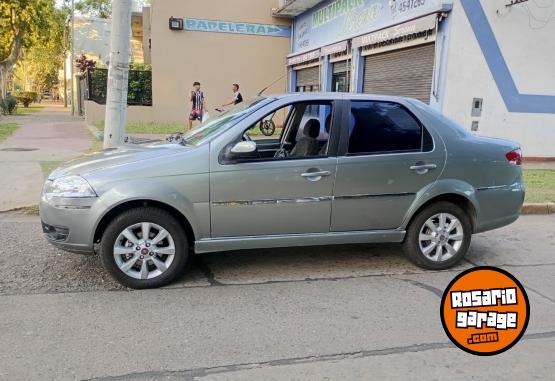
458,199
120,208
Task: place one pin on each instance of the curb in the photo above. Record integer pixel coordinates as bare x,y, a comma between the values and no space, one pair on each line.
98,135
538,208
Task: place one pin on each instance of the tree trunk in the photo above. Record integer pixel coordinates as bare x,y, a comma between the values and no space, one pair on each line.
8,63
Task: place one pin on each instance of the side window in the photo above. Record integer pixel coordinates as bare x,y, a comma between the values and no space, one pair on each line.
271,126
319,112
385,127
297,130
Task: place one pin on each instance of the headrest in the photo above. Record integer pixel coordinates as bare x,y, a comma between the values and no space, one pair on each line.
312,128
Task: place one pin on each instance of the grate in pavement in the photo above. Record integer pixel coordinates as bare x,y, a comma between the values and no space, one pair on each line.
18,149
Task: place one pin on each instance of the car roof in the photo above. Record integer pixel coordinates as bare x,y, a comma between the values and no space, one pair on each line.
334,95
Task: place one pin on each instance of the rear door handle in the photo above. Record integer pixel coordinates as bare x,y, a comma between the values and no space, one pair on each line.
422,169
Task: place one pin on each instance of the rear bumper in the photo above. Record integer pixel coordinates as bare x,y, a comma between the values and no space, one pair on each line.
498,206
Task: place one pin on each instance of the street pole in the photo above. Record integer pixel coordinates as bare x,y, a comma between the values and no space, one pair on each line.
65,62
71,56
118,73
65,80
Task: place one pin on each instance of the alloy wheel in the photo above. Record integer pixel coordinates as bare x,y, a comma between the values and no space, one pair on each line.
144,250
441,237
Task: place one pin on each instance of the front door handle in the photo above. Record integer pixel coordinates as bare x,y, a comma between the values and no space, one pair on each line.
422,168
315,176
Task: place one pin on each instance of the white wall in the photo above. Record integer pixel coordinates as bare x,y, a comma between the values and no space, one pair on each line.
529,51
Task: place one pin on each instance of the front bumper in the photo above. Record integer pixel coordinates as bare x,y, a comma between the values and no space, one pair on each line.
69,223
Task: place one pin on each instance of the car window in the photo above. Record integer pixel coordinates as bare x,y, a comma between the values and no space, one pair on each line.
270,127
384,127
296,130
223,121
319,112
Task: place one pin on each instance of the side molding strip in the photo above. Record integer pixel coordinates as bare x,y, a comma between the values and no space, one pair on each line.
208,245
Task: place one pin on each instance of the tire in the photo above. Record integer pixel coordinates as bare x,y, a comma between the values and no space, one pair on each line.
161,266
267,127
425,252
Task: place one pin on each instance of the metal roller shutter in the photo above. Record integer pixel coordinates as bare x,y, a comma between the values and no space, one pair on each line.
407,72
340,67
309,76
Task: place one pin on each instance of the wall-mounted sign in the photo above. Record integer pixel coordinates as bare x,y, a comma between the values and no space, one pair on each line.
176,24
218,26
412,28
308,56
336,20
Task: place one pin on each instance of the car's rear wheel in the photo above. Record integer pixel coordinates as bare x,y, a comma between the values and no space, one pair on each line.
144,248
439,236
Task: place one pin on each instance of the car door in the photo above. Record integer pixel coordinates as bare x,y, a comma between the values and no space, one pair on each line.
386,157
270,196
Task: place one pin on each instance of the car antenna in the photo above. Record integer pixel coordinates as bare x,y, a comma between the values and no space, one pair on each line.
264,89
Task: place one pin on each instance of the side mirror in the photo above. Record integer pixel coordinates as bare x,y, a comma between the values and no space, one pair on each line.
244,150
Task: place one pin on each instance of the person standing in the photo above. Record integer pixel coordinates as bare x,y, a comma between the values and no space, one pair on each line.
198,103
237,97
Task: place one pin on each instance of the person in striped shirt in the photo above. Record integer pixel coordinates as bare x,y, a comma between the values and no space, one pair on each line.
197,98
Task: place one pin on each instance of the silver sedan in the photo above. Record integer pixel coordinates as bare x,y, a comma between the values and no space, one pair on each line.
332,169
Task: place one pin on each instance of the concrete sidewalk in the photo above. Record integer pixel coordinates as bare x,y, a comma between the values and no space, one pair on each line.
48,135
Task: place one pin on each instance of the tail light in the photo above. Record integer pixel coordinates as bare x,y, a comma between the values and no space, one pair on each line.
514,157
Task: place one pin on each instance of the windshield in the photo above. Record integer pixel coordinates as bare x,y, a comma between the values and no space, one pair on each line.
223,121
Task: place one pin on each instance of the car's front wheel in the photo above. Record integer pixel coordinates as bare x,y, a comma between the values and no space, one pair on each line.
439,236
144,248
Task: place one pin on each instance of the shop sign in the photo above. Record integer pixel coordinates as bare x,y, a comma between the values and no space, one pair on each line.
340,47
415,27
336,20
308,56
218,26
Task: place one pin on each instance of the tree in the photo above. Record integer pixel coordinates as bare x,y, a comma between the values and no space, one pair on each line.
22,24
40,62
101,8
96,8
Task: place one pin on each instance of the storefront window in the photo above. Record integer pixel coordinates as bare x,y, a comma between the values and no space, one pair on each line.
308,88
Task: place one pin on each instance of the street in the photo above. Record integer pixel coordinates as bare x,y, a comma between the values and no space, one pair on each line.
321,313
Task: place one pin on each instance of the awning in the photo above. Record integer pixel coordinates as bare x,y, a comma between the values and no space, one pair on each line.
304,57
293,8
340,47
400,31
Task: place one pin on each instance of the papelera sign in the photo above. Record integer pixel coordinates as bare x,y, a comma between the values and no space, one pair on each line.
219,26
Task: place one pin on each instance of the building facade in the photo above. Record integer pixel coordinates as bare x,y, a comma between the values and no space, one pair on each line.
214,42
220,43
487,64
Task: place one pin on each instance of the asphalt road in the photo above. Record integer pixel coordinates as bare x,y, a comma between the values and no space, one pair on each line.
325,313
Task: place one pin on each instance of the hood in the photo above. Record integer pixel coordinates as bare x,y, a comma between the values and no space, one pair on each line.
113,157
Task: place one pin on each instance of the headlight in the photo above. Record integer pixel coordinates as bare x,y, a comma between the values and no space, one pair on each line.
69,187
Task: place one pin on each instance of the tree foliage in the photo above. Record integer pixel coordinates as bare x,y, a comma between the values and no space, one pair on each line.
23,24
40,62
96,8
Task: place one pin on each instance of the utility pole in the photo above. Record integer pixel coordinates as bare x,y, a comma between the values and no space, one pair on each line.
72,57
118,74
65,60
